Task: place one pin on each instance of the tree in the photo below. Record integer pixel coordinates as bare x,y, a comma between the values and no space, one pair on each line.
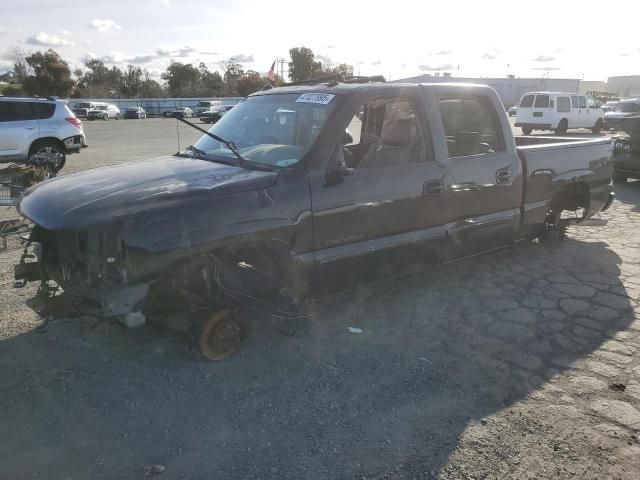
343,70
21,69
51,75
211,82
131,82
149,87
251,82
303,64
181,79
233,72
99,80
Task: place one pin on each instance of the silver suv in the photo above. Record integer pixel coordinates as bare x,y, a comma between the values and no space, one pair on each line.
36,130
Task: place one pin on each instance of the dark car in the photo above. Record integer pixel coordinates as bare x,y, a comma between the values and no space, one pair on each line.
276,205
135,112
629,107
214,113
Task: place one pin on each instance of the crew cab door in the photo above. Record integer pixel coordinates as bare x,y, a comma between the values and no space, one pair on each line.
18,128
381,191
484,187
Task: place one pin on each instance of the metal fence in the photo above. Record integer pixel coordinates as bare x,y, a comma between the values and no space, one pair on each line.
156,107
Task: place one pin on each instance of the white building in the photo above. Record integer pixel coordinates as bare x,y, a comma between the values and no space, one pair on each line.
510,89
624,86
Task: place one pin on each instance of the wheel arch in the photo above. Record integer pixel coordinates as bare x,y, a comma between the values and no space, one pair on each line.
42,140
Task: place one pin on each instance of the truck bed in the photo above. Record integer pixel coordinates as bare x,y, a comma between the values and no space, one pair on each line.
552,163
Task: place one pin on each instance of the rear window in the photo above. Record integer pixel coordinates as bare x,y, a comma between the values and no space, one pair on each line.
564,104
542,101
527,101
20,111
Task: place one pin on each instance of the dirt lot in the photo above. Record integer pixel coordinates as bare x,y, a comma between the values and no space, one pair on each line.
522,363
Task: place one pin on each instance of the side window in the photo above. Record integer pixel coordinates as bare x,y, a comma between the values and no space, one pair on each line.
15,111
383,133
591,103
542,101
564,105
42,111
582,102
574,101
527,101
471,126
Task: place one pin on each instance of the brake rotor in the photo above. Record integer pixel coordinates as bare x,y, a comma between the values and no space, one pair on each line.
220,335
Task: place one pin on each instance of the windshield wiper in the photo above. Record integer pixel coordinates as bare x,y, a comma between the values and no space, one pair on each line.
241,160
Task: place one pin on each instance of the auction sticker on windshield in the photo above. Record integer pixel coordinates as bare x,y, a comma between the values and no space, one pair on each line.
321,98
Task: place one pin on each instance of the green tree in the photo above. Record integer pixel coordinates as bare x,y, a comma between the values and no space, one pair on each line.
303,64
181,79
99,80
51,75
21,69
233,72
150,88
131,81
251,82
343,70
211,82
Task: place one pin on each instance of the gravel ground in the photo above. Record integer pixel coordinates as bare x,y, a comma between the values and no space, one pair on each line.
522,363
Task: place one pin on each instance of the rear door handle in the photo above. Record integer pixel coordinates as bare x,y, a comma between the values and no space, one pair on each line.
30,128
432,188
503,176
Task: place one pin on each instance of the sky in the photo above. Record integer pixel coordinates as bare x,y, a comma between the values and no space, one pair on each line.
397,39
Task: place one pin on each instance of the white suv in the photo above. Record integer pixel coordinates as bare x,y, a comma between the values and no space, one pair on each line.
104,112
36,130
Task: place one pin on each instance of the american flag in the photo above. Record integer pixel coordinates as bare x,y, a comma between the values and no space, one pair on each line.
272,72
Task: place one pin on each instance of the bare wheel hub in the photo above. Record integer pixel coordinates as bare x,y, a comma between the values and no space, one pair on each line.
220,335
48,155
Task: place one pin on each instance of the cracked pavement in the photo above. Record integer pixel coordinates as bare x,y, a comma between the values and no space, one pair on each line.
521,363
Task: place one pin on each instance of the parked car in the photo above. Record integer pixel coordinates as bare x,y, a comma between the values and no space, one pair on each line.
206,105
215,113
558,112
135,112
626,150
513,110
104,112
610,105
628,107
257,211
81,109
35,130
182,112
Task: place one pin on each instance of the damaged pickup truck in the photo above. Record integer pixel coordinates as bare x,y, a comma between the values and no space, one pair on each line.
299,190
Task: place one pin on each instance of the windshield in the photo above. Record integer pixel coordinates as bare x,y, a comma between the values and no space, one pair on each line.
100,107
204,104
274,130
628,107
83,105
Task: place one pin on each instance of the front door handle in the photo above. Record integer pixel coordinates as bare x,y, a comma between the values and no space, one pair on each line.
432,188
503,176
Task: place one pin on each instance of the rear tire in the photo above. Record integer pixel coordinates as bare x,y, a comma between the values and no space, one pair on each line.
218,335
47,152
105,117
561,129
597,128
527,130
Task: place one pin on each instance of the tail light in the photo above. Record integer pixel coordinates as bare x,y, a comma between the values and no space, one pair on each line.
74,121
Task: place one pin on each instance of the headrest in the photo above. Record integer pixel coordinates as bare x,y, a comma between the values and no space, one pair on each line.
396,132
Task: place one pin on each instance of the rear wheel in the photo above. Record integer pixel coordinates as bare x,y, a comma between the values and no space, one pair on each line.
117,116
597,128
527,130
561,129
48,154
105,117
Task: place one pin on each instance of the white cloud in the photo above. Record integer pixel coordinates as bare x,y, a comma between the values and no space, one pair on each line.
242,58
436,68
4,31
46,40
64,32
104,25
166,3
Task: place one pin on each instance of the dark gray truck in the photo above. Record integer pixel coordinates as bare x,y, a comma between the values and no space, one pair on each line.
301,190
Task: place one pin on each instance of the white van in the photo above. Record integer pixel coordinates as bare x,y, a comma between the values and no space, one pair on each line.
558,111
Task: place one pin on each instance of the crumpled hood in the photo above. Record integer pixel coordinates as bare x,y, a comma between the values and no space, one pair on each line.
94,197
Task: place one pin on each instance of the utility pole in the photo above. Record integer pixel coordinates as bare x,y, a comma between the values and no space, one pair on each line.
281,61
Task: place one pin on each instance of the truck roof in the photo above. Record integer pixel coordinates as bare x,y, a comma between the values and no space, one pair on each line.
346,88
